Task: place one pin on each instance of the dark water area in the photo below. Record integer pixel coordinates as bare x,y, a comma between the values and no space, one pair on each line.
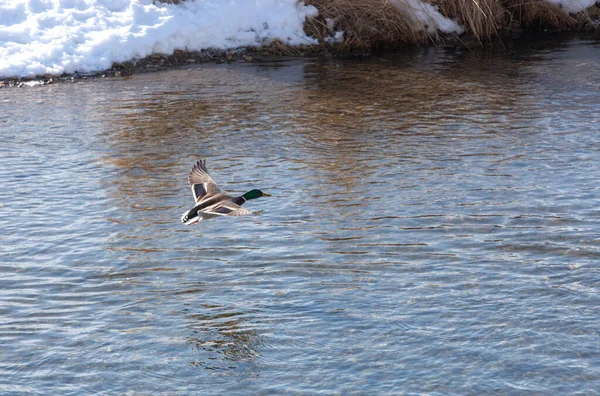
434,228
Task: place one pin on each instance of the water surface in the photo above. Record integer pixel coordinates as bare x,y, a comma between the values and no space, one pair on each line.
433,228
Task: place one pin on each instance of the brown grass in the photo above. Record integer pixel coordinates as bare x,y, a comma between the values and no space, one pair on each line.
537,12
366,23
481,18
373,23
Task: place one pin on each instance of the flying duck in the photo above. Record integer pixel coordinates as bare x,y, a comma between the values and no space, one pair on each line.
211,201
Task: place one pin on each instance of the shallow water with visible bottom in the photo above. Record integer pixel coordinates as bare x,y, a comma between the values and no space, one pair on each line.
434,228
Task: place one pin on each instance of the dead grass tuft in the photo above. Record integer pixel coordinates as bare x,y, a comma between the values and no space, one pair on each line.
375,23
366,23
482,18
537,12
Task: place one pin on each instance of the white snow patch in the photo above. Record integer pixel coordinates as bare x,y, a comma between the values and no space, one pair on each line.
330,23
337,37
572,6
33,83
58,36
426,17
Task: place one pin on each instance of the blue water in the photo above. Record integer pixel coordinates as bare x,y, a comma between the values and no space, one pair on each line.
434,228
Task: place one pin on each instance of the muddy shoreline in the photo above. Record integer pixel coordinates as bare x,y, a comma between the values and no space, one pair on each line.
160,62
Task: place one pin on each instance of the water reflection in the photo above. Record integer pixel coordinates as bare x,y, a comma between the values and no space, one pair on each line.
223,339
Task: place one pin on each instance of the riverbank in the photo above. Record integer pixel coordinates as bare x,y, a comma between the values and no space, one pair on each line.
149,37
161,62
179,58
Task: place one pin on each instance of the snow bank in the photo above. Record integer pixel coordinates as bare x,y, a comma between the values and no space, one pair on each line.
57,36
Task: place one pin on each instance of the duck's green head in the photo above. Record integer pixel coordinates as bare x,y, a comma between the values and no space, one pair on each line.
253,194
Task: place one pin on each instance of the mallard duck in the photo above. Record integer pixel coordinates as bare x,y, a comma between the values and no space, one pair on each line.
211,201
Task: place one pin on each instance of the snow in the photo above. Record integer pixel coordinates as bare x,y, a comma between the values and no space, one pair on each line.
424,16
572,6
56,36
337,37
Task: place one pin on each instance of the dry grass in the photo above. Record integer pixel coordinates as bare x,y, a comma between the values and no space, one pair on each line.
372,23
537,12
366,23
482,18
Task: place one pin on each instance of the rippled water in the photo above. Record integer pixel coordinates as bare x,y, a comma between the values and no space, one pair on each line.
434,228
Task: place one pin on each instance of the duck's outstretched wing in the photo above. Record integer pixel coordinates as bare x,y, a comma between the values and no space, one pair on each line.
226,208
203,186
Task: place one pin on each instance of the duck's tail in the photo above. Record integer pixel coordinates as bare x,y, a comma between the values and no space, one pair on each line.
187,220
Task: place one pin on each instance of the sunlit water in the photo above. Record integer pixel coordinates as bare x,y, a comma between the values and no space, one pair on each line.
434,228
